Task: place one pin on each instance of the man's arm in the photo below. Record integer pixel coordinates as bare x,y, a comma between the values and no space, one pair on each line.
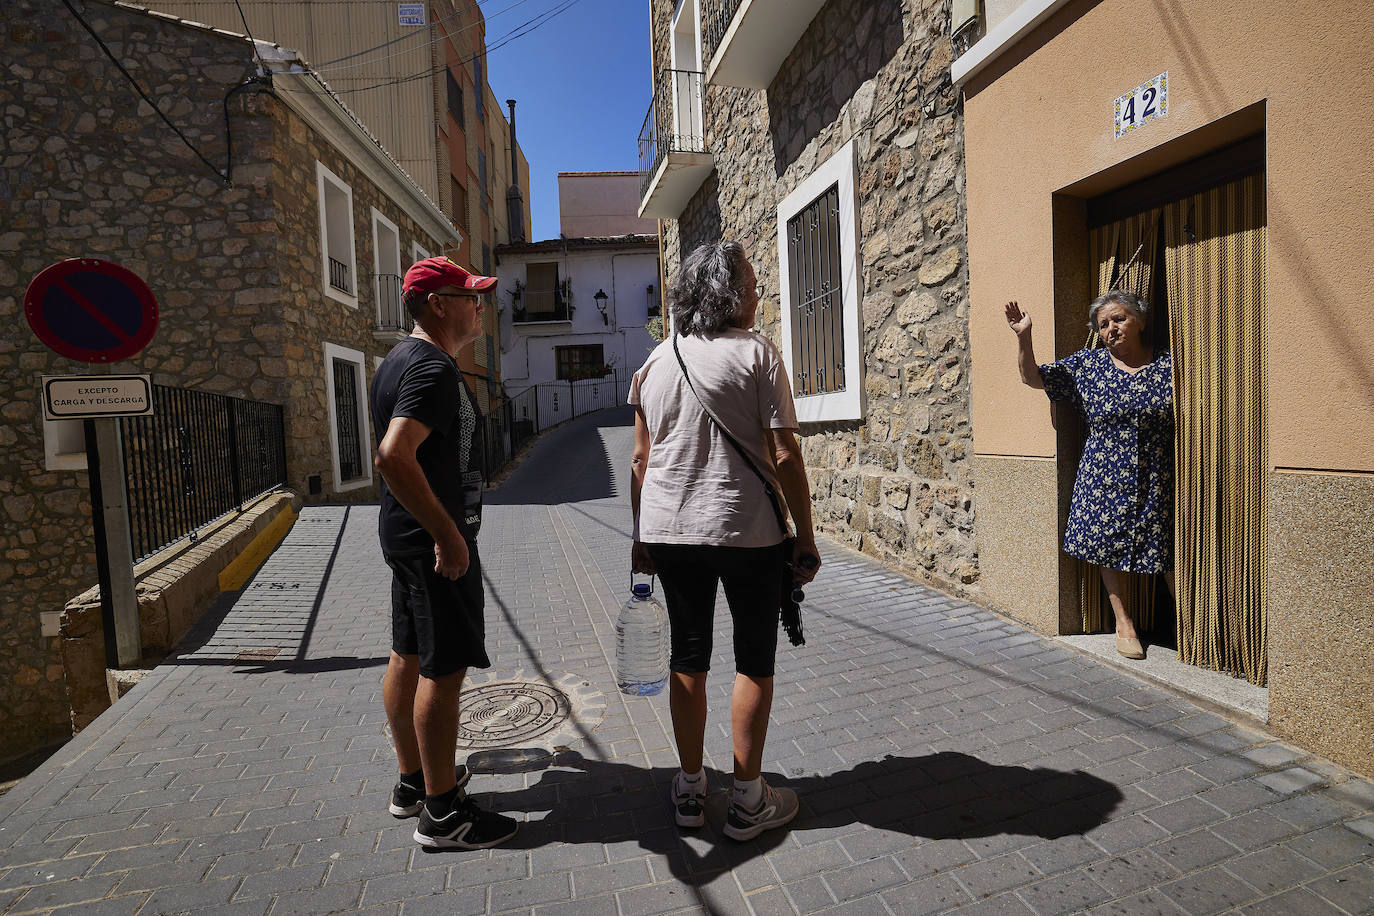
397,464
640,561
797,490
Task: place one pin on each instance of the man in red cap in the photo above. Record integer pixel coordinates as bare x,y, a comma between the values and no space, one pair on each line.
430,461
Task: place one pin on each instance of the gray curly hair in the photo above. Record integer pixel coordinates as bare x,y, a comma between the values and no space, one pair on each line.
1121,297
706,297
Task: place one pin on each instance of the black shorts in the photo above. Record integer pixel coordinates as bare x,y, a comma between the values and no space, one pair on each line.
438,619
689,574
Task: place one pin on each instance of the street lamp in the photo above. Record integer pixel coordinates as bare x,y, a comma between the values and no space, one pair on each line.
601,298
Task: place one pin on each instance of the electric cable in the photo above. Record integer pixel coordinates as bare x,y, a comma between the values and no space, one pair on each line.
327,68
519,31
144,95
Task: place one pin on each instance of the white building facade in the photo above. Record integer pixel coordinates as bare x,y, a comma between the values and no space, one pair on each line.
573,310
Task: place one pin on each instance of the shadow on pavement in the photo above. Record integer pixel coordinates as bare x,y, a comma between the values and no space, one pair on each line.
947,795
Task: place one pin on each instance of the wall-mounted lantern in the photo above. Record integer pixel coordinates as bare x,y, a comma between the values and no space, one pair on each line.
601,298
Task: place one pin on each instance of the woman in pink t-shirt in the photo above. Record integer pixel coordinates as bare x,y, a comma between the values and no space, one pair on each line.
704,518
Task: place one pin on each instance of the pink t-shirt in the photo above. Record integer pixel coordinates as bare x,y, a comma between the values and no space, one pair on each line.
697,489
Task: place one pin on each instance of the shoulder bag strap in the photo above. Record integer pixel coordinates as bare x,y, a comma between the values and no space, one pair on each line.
767,486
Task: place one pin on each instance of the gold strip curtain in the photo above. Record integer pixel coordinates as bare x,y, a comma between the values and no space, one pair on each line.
1124,253
1215,270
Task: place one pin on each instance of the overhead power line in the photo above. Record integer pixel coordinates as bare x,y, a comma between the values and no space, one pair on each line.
223,176
327,68
519,31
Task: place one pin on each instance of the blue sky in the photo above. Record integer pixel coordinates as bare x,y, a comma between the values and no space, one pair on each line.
581,83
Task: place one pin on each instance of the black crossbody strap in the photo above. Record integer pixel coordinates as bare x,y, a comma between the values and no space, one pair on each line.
767,486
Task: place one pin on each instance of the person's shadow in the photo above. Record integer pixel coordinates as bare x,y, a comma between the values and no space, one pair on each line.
938,796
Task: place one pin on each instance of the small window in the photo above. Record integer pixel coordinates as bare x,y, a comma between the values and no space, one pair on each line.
455,98
64,445
479,85
336,237
460,204
417,253
347,391
821,292
482,178
574,363
542,299
387,272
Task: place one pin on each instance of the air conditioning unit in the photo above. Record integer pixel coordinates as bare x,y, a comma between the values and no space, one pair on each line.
963,16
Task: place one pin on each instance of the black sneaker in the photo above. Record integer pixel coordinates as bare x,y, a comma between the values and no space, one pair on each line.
465,827
406,801
777,807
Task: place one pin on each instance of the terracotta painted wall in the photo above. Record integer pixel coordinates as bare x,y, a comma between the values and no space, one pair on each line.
1039,121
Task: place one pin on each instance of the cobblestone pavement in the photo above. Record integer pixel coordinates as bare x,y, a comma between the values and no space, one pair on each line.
944,756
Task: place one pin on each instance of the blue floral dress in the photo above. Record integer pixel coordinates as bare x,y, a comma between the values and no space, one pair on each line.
1122,515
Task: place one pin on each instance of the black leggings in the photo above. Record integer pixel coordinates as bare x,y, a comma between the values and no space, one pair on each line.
689,574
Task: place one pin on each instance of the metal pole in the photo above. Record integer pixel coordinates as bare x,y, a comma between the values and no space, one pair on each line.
102,559
113,535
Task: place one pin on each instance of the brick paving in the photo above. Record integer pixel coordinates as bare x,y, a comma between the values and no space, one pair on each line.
945,757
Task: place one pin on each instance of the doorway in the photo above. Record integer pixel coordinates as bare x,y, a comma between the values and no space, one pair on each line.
1192,242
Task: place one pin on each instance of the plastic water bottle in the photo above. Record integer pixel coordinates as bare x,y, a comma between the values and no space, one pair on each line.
641,644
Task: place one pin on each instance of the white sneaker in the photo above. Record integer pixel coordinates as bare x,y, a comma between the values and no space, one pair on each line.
689,801
777,807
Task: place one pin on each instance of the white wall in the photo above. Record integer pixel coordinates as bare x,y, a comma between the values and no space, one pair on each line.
527,350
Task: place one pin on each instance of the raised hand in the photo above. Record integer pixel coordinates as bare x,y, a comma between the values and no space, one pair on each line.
1019,321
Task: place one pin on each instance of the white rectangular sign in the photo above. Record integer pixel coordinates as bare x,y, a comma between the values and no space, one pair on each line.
79,397
411,13
1143,104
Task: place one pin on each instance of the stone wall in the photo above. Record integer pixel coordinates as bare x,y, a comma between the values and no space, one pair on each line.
89,169
895,485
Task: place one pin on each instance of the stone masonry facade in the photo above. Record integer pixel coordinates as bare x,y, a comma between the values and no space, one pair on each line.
90,170
896,484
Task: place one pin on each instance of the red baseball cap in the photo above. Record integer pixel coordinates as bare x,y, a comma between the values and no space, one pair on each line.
434,273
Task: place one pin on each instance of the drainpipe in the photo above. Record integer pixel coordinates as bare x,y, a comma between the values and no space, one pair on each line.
515,202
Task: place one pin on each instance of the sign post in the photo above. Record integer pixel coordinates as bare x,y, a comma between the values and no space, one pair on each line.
99,312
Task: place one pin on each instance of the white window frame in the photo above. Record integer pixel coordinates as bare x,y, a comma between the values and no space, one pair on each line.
379,221
55,458
690,122
848,404
359,361
417,253
323,177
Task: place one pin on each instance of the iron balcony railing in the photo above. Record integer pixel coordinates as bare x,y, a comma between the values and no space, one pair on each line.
197,457
392,314
340,276
674,122
542,305
719,15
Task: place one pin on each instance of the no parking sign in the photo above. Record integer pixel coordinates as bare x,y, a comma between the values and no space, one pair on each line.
91,310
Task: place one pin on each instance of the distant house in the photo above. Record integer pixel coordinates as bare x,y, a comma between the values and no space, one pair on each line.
577,308
273,232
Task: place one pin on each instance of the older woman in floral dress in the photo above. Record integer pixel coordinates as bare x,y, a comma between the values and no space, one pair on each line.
1122,515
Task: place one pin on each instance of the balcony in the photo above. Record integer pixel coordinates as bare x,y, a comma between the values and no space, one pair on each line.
393,320
673,159
747,40
340,276
542,307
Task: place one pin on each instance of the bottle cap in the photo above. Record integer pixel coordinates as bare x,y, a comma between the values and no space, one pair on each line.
642,590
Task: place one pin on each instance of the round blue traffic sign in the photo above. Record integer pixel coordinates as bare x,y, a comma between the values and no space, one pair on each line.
91,310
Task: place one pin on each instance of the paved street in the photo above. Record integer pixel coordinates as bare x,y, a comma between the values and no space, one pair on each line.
944,757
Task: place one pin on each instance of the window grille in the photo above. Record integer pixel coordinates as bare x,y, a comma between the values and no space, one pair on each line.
816,299
346,420
577,362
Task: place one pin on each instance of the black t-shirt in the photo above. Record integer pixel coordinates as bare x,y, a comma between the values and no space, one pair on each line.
420,381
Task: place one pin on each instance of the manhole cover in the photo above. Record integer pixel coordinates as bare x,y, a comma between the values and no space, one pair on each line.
503,714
